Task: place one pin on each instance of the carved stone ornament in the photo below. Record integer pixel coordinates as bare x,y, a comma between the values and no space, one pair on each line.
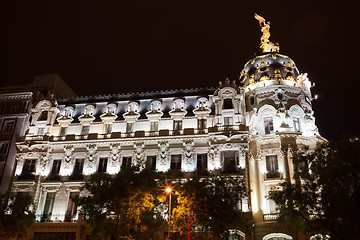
91,154
213,151
188,152
163,152
44,162
139,155
68,155
115,153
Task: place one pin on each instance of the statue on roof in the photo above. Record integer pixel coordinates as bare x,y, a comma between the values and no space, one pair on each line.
266,45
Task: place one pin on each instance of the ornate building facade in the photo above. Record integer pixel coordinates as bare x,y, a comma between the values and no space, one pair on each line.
247,127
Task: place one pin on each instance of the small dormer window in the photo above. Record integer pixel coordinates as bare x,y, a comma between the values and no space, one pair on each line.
133,107
110,108
228,103
179,104
43,116
202,103
155,105
68,111
89,110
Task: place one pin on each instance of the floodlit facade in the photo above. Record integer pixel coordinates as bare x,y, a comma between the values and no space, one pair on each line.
248,127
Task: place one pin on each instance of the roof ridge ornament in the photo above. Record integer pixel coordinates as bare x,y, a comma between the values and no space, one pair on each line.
266,45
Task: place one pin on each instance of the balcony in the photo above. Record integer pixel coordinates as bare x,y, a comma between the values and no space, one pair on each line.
55,218
272,175
270,217
76,176
27,176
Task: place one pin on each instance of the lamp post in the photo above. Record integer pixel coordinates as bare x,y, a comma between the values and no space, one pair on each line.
168,190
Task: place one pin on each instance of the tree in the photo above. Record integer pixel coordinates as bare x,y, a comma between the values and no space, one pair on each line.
325,197
16,215
211,206
122,207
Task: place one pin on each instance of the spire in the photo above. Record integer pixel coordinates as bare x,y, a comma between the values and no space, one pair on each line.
266,45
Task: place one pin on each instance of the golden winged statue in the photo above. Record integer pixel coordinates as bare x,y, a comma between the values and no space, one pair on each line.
266,45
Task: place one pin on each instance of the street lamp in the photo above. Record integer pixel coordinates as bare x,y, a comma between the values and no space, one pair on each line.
169,190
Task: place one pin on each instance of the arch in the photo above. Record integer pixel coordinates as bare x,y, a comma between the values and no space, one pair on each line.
267,111
296,111
277,236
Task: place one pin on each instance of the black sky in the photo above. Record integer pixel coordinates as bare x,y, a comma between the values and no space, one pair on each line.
101,47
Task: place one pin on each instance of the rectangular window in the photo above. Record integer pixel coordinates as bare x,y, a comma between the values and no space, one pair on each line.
230,160
154,126
71,208
41,131
4,146
202,123
8,126
102,165
296,124
49,204
129,127
55,170
228,121
177,126
78,170
175,162
268,125
28,171
107,128
151,163
85,130
126,162
43,116
63,131
201,164
272,167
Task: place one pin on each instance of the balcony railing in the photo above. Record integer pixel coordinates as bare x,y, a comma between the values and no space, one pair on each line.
162,132
56,217
270,217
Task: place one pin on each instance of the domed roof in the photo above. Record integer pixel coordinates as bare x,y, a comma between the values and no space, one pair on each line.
268,66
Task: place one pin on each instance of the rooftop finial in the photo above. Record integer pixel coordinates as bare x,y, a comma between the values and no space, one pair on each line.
266,45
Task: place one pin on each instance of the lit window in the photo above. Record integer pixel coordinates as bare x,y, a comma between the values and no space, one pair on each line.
202,123
296,124
268,125
71,210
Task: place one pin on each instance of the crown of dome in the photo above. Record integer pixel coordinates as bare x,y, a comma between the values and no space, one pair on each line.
268,66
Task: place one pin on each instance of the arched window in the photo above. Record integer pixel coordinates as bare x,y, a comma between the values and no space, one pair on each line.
277,236
228,103
43,116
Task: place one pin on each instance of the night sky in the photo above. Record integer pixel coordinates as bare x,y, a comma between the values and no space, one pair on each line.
101,47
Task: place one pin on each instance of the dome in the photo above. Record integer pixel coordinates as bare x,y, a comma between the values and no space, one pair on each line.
268,66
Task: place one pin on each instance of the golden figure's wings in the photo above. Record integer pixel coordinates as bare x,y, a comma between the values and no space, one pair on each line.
259,18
